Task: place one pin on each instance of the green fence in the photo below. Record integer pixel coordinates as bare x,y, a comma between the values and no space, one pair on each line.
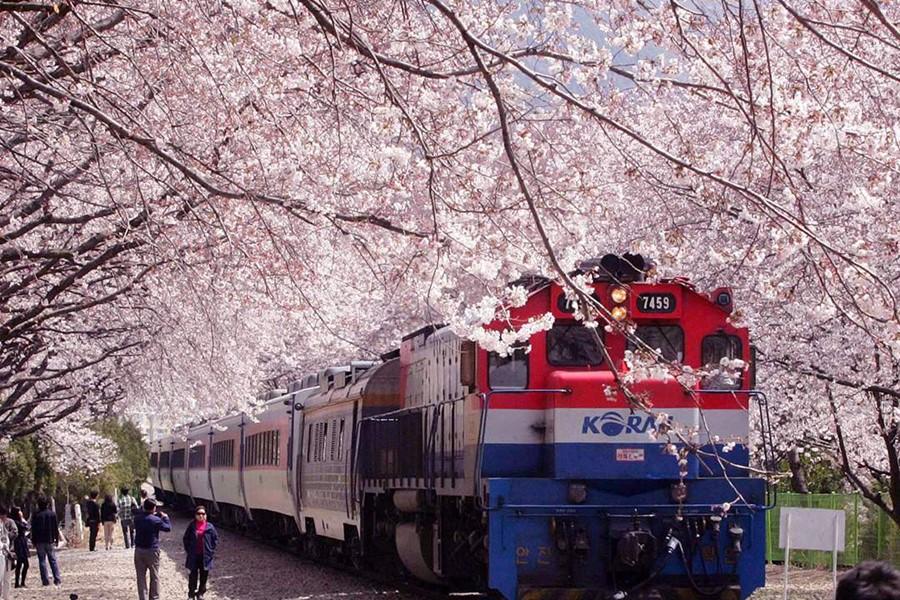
870,533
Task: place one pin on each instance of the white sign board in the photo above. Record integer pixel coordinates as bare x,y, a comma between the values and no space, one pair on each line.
812,529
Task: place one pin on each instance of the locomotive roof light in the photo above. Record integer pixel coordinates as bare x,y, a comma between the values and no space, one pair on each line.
619,295
723,298
618,313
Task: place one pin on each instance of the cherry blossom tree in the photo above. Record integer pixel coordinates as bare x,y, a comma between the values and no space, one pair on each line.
203,199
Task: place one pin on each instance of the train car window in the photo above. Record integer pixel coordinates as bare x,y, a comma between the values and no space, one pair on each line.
508,372
309,437
164,459
667,339
178,459
713,349
467,354
154,459
323,443
222,454
574,345
262,448
317,444
340,449
333,437
197,457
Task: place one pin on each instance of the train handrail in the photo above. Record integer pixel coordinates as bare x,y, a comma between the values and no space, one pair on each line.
387,416
768,443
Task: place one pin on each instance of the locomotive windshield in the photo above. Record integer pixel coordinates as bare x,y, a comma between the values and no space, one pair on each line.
667,339
573,346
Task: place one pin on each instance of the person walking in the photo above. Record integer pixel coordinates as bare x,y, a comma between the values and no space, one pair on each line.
147,525
127,504
200,541
8,533
45,537
108,514
21,547
92,518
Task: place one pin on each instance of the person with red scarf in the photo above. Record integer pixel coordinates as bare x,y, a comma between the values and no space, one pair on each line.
200,541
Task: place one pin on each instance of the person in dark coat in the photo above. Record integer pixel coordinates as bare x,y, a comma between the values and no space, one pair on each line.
21,547
108,514
45,537
92,518
200,541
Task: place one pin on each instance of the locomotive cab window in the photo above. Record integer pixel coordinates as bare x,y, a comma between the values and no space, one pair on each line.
574,345
713,350
666,339
508,372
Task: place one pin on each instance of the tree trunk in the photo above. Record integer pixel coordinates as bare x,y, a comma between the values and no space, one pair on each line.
798,475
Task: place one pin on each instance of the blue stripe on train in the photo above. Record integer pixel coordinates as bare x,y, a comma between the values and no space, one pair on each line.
606,461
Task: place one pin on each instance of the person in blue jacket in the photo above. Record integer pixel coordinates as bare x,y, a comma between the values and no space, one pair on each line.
200,541
147,525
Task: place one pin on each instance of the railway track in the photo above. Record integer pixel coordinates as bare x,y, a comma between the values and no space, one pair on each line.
402,584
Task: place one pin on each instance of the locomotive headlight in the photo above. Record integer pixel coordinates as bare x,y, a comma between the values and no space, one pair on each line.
619,295
618,313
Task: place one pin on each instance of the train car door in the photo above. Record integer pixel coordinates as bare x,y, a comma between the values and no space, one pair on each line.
241,482
209,477
295,456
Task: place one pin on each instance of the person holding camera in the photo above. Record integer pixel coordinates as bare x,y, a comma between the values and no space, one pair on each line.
20,545
147,525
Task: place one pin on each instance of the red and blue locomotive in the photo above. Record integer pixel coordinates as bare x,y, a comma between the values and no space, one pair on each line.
533,473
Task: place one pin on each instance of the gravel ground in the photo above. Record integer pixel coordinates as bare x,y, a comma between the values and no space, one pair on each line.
803,584
248,570
244,570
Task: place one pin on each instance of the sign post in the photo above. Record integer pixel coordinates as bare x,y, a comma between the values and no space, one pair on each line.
834,554
787,551
811,529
